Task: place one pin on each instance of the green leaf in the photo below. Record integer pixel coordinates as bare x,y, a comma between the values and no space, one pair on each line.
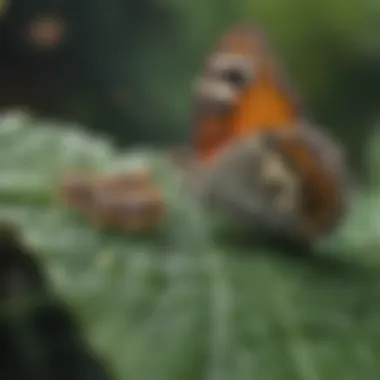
180,304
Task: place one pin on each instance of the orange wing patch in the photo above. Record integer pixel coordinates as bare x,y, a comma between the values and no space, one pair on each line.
241,89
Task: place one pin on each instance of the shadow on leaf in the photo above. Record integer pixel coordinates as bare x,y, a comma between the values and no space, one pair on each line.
321,262
39,338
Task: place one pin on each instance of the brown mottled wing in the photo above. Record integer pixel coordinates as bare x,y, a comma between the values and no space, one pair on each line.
290,184
244,180
320,162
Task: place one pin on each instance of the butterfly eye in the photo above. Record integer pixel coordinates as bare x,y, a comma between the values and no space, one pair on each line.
232,69
235,76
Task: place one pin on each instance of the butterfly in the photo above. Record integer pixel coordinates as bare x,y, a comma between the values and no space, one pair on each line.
261,159
254,155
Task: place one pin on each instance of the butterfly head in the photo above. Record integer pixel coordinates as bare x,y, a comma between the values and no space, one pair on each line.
230,69
241,89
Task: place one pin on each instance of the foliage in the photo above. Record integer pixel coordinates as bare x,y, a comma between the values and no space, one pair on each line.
39,337
180,303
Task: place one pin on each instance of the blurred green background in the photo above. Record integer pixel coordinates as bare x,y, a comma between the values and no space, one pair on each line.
125,67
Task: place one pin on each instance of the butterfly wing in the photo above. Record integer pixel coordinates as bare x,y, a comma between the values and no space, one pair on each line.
291,184
320,162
